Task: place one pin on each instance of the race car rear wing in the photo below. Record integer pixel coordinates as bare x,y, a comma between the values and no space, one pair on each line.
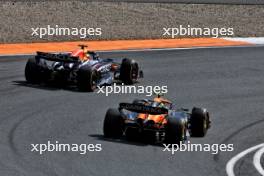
56,57
139,108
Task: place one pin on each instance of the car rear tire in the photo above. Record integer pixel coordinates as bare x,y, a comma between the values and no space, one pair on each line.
175,130
113,124
129,71
86,79
33,72
199,122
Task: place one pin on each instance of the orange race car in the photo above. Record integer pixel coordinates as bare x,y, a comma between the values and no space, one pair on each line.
157,120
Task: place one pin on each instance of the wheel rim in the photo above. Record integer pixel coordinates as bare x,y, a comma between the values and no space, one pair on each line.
93,82
183,133
204,125
134,73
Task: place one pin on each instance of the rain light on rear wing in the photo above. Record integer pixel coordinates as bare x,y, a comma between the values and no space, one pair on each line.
143,109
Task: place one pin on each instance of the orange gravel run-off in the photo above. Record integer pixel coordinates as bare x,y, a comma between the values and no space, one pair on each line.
31,48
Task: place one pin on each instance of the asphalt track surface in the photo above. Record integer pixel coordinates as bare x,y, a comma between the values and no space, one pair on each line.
227,81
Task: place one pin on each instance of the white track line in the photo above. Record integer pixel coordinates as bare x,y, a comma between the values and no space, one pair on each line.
231,163
252,40
257,161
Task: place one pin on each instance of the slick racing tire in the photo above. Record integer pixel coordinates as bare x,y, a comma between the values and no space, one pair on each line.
86,79
113,124
34,72
129,71
175,130
200,122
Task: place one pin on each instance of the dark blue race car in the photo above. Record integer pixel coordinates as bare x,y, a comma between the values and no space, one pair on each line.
82,68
